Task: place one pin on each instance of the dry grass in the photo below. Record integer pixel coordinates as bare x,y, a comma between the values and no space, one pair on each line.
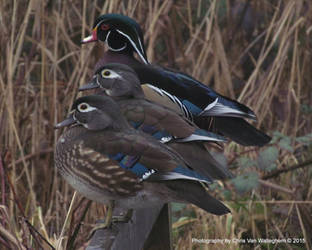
264,60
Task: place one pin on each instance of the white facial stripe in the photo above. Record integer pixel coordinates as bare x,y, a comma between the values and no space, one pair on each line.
131,41
134,45
107,36
77,121
122,48
87,109
112,49
74,117
141,45
97,81
97,26
113,74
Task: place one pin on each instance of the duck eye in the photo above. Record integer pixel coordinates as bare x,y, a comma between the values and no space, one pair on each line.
83,106
104,26
106,73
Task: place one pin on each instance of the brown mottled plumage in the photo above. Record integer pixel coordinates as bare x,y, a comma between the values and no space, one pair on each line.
85,155
74,158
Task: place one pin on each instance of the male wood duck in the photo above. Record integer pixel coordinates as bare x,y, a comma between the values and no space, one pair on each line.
120,82
124,36
105,159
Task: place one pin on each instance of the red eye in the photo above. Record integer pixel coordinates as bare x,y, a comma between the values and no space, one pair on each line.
104,26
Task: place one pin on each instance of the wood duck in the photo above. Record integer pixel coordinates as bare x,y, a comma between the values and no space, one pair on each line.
124,36
120,82
105,159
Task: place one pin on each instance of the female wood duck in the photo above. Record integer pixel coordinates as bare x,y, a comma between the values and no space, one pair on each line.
124,37
120,82
105,159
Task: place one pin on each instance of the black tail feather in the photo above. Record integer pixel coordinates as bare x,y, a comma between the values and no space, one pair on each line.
199,159
193,192
237,129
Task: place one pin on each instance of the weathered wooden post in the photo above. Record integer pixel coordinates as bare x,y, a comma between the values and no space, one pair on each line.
149,229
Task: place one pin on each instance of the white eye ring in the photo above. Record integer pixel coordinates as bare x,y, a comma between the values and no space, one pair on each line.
111,48
85,107
109,74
